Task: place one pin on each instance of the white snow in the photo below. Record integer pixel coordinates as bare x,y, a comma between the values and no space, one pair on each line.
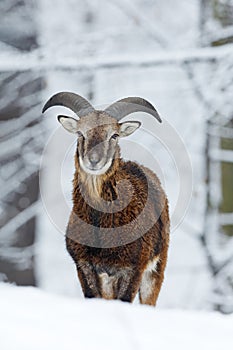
32,319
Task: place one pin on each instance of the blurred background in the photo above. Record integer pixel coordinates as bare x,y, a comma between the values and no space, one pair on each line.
178,54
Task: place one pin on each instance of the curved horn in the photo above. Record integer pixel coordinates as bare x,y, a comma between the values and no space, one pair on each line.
121,108
75,102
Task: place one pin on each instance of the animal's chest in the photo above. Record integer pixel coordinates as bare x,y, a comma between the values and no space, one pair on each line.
109,260
110,205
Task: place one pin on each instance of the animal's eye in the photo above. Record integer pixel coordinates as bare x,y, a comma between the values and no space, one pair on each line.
114,136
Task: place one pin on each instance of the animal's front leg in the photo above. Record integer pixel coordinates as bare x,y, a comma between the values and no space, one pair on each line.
89,280
128,286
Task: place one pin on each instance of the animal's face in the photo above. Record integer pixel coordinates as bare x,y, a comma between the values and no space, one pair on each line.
98,136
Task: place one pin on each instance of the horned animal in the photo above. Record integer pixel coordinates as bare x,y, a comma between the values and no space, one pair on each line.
118,230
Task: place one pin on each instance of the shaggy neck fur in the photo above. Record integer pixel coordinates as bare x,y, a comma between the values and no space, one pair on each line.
92,185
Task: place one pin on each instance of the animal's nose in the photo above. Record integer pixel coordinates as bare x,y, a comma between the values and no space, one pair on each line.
94,158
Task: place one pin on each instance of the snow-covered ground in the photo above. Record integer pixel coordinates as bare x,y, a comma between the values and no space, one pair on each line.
32,319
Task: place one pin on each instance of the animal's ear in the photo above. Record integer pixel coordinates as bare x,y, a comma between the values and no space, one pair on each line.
127,128
68,123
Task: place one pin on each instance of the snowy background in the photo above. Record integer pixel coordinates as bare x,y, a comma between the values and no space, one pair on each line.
179,56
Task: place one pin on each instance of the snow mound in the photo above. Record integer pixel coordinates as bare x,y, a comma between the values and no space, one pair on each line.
32,319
